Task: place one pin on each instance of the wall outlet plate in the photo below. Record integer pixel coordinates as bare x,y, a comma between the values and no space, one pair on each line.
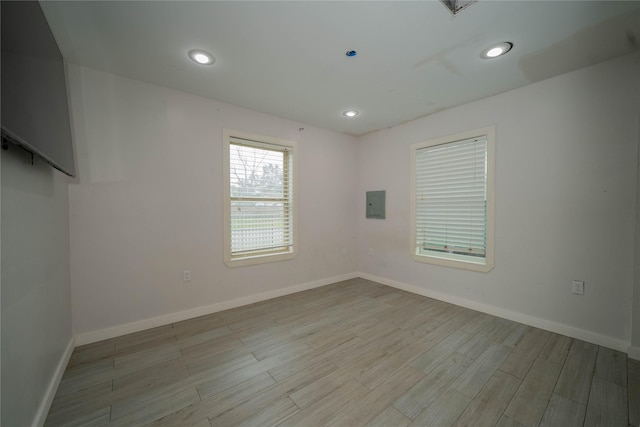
577,287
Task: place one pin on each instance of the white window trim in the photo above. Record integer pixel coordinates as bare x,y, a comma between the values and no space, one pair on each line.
267,257
483,265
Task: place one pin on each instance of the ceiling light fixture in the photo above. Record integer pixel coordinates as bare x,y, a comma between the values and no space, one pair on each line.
350,113
202,57
496,50
457,6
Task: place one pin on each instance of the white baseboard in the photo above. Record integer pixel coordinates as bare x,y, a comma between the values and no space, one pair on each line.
52,388
548,325
141,325
634,353
570,331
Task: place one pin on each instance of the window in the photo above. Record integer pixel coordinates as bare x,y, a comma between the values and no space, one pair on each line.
259,199
453,200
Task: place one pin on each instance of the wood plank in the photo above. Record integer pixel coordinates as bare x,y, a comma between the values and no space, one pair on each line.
556,348
222,401
607,404
190,337
530,401
390,417
432,358
506,421
209,325
267,334
379,372
478,323
157,376
213,347
473,379
446,329
611,365
525,353
386,343
150,406
436,382
221,363
308,359
563,412
575,379
83,417
475,346
234,315
79,400
515,334
444,411
215,380
272,415
281,347
332,406
330,338
85,376
487,407
92,353
374,403
328,384
231,416
144,359
143,340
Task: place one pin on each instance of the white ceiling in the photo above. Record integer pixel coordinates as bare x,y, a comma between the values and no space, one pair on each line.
287,58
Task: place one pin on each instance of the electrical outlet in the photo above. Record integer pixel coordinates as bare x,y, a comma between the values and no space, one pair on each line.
578,287
371,251
186,275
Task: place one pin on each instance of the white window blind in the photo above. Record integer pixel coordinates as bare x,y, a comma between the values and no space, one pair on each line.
451,198
261,198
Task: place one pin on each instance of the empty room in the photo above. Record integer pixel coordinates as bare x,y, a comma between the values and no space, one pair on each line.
320,213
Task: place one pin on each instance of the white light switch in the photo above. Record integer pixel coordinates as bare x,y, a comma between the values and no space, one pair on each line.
578,287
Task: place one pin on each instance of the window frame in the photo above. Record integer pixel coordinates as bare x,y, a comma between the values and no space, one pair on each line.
258,141
452,260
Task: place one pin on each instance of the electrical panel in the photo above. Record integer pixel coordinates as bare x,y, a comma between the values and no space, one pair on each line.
375,204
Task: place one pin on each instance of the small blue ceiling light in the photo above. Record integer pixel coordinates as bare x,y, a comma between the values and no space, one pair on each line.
351,53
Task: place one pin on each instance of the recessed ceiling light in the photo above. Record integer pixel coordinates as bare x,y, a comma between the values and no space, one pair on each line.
496,50
350,113
202,57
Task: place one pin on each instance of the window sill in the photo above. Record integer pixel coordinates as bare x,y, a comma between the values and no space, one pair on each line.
258,259
485,265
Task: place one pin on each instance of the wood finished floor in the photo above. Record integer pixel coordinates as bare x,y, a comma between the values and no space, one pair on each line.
355,353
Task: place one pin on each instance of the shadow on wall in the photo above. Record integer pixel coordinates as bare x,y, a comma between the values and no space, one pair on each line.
578,50
42,186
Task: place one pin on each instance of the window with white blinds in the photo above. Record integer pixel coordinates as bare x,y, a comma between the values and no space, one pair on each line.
259,196
453,201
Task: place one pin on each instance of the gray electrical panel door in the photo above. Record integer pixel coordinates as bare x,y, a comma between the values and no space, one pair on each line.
375,204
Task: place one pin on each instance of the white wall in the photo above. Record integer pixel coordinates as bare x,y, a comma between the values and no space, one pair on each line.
36,310
634,351
148,203
565,202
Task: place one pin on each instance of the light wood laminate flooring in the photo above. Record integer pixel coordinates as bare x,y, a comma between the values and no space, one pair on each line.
355,353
